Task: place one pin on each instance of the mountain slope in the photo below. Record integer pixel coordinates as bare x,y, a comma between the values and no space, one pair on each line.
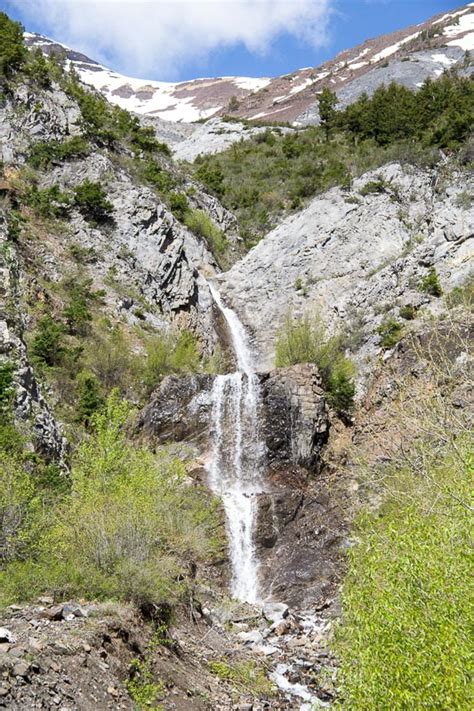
408,56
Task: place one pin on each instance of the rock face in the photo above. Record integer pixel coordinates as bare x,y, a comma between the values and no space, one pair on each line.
295,423
33,415
294,514
357,256
143,247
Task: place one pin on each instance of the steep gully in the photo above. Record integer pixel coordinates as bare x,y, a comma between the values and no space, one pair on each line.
236,475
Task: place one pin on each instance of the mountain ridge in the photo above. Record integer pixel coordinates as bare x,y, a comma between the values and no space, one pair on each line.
437,44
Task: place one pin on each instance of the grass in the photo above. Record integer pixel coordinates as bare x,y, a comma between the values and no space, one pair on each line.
405,638
245,676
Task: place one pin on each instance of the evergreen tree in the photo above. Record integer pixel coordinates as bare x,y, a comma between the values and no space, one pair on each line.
327,109
12,48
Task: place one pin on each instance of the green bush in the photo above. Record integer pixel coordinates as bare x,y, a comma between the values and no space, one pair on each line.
12,48
246,676
373,186
44,153
462,295
47,345
78,313
179,205
127,530
407,312
48,202
91,199
170,352
405,642
19,509
38,69
430,284
160,178
89,396
307,341
212,177
201,225
390,332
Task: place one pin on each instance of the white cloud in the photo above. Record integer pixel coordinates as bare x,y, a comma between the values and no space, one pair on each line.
157,36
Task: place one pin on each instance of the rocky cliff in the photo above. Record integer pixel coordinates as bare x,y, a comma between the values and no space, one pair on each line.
357,256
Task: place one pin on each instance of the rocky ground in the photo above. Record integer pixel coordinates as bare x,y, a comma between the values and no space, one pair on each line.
76,657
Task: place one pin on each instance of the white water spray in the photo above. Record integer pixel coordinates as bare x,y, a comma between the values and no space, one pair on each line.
235,469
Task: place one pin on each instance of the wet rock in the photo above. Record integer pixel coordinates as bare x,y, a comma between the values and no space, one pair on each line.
6,635
253,637
275,611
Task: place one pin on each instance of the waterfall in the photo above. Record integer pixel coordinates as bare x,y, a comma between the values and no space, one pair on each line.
237,454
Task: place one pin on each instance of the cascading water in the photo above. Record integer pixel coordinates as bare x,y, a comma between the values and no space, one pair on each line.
237,453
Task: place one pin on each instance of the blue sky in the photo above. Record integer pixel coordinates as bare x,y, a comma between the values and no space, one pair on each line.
184,39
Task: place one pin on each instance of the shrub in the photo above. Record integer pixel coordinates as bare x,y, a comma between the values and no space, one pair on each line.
77,313
171,352
430,284
179,205
47,344
307,341
245,676
462,295
212,177
157,176
390,332
19,509
89,397
373,186
38,69
44,153
202,226
127,530
91,199
405,637
407,312
48,202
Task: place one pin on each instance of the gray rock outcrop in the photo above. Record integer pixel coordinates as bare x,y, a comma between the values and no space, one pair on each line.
356,257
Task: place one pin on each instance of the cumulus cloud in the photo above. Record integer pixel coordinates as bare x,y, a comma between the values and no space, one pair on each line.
157,36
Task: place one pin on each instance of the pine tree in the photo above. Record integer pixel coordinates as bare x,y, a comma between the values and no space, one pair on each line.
327,109
12,48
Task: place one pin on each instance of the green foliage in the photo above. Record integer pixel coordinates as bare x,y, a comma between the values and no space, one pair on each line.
127,530
48,202
80,296
212,176
407,312
260,180
91,199
6,386
327,101
245,676
462,295
142,686
406,638
89,396
390,332
45,153
307,341
170,352
160,178
14,225
47,345
12,48
179,205
19,508
38,69
201,224
373,186
430,284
